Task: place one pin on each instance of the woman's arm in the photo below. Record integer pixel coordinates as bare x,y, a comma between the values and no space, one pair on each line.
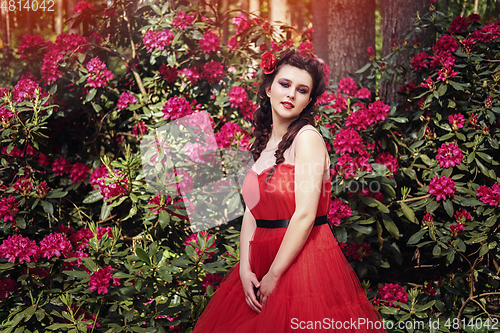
248,278
310,162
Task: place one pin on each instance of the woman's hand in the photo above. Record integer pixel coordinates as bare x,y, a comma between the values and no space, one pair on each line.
266,287
249,281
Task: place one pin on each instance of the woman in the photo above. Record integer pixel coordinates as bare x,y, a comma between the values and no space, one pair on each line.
292,274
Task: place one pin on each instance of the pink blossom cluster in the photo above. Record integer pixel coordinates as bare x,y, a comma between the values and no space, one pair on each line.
488,33
306,49
347,86
157,39
391,162
365,117
23,185
241,22
139,128
176,107
42,189
348,140
446,72
337,211
419,61
449,155
29,46
456,121
238,97
61,166
99,280
212,71
212,280
348,166
182,20
428,219
357,251
489,195
125,99
7,286
5,115
8,208
192,240
25,89
54,245
191,74
370,53
390,293
458,25
159,202
455,229
442,187
82,7
209,43
462,215
99,74
118,188
17,247
169,74
79,172
232,134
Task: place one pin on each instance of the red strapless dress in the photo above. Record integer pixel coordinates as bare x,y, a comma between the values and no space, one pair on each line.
319,292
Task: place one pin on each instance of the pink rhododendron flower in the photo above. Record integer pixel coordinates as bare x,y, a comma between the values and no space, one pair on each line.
25,89
241,22
191,74
42,189
212,71
232,134
7,286
80,239
455,229
29,46
445,44
347,86
238,97
390,293
176,107
20,248
386,158
337,211
446,72
370,53
458,25
23,185
159,202
489,195
110,190
357,251
8,208
82,6
428,219
125,99
79,172
157,39
61,166
212,280
442,187
462,215
99,280
364,93
168,73
456,121
347,140
182,20
488,33
449,155
54,245
101,231
209,43
428,84
306,49
99,74
139,128
419,61
473,18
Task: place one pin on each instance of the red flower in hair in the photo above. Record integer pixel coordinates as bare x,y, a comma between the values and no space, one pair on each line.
268,62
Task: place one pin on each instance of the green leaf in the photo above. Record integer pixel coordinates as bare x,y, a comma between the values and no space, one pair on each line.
471,157
47,207
94,196
340,234
362,229
448,206
164,219
56,194
462,137
105,211
442,89
417,236
77,274
364,68
91,94
408,212
390,225
485,157
484,249
456,85
426,306
426,159
139,251
401,120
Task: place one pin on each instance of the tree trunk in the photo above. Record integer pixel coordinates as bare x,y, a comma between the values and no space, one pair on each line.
351,29
244,5
279,11
254,6
497,7
320,12
5,27
70,9
476,4
59,17
225,25
397,20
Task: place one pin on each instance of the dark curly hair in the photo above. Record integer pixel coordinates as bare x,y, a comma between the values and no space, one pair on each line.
262,117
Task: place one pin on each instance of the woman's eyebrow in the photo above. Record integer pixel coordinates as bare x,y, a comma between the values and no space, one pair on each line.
300,85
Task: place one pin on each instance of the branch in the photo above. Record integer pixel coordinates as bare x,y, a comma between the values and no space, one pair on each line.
132,66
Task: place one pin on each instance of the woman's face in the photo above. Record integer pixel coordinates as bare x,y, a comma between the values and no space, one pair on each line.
290,92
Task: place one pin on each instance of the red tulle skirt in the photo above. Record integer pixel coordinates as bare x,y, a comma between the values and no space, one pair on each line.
319,292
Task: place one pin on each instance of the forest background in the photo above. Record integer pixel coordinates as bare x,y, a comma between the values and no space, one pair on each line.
94,239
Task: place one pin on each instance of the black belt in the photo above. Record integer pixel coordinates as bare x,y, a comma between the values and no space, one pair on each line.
283,223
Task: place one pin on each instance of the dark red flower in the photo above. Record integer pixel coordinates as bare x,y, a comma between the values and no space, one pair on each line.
268,62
